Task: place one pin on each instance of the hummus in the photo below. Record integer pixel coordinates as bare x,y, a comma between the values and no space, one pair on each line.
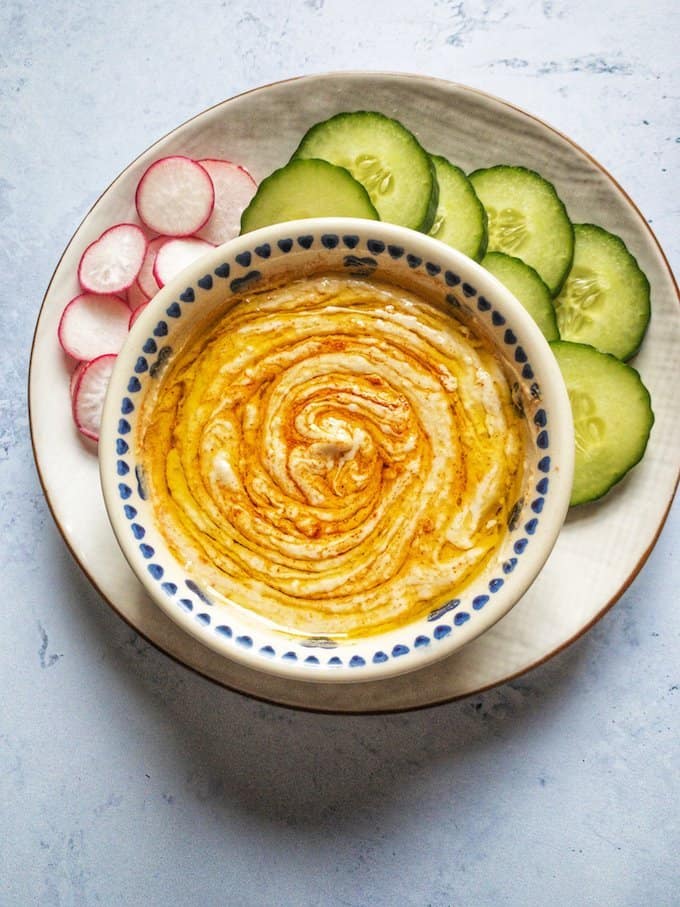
336,456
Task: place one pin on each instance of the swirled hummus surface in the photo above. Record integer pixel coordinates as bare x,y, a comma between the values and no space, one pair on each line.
336,456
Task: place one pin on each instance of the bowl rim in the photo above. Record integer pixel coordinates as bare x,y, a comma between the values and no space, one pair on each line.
402,659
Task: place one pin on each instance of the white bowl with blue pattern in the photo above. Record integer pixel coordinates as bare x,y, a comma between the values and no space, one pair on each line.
390,254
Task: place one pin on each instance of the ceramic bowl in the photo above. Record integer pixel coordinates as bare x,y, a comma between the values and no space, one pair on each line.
388,254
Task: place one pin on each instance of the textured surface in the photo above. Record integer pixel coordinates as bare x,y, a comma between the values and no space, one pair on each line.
126,779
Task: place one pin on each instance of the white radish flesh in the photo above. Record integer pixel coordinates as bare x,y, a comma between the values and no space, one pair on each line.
93,325
89,394
234,188
175,196
112,262
175,255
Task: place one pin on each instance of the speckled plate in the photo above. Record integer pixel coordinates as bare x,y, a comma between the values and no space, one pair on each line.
597,554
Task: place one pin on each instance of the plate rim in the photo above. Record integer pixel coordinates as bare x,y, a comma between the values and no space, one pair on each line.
632,574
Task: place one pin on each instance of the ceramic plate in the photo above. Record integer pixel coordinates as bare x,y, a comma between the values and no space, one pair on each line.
597,554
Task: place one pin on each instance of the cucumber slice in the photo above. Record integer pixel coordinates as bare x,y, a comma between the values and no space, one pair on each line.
385,157
308,188
612,417
460,219
527,219
605,299
524,283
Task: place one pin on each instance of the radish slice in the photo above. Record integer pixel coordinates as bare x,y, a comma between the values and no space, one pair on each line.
136,296
93,325
112,262
145,278
175,255
175,196
234,188
89,393
75,377
135,315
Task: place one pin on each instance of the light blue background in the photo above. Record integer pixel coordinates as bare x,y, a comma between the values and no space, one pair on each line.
124,778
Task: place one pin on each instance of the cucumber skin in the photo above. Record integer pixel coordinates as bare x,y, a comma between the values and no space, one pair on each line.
554,291
481,248
431,210
616,240
565,345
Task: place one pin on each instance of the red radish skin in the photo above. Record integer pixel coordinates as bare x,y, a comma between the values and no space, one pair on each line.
147,282
175,255
175,196
234,188
188,205
111,263
75,377
135,315
89,394
136,296
92,325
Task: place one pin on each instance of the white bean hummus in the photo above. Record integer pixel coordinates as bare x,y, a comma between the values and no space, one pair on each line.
336,456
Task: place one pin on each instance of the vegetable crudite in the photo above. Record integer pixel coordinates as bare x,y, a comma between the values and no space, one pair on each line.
460,219
527,219
111,263
605,301
175,196
127,265
307,188
175,254
385,157
612,413
88,394
580,283
93,326
524,283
